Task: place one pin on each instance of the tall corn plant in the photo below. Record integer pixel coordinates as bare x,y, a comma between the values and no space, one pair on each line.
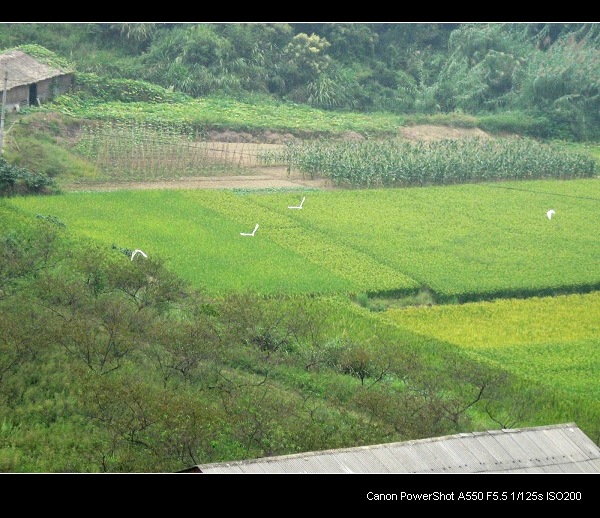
401,163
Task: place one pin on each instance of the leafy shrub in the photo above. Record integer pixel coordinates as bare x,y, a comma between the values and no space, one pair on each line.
123,90
17,180
519,123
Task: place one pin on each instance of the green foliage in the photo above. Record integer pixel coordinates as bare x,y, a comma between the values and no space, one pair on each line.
587,148
103,89
252,113
42,142
140,32
482,63
17,180
481,69
563,83
518,123
51,219
306,57
352,41
495,67
257,114
114,365
46,56
328,91
199,59
382,301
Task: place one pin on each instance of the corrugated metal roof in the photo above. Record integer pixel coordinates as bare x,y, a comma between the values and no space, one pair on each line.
560,448
23,69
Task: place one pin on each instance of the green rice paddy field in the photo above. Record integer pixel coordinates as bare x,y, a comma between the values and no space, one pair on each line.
552,340
463,242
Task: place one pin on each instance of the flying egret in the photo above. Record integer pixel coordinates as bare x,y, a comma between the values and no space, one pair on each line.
550,213
299,206
255,229
137,252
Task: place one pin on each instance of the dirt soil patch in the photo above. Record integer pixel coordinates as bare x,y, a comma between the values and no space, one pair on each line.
268,178
428,132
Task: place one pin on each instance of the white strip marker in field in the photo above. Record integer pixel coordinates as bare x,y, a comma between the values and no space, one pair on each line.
550,213
299,206
252,234
137,252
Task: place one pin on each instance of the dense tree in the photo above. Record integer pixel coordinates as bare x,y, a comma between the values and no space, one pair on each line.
564,83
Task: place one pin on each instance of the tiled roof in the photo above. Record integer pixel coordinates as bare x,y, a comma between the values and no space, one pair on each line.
23,69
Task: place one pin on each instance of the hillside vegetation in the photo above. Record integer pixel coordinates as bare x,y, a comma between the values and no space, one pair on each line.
546,73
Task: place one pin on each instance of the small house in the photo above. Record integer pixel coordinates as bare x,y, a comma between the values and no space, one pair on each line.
30,82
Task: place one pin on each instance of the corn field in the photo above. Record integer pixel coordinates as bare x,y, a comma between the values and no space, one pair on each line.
147,151
401,163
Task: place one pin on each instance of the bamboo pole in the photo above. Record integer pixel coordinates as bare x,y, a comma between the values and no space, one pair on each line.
2,112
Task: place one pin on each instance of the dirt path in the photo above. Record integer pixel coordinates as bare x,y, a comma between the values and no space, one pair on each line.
430,132
270,178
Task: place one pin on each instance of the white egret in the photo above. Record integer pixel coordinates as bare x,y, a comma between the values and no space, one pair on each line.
252,234
550,213
137,252
299,206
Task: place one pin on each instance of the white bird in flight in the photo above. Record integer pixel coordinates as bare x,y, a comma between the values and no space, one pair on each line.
299,206
252,234
137,252
550,213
